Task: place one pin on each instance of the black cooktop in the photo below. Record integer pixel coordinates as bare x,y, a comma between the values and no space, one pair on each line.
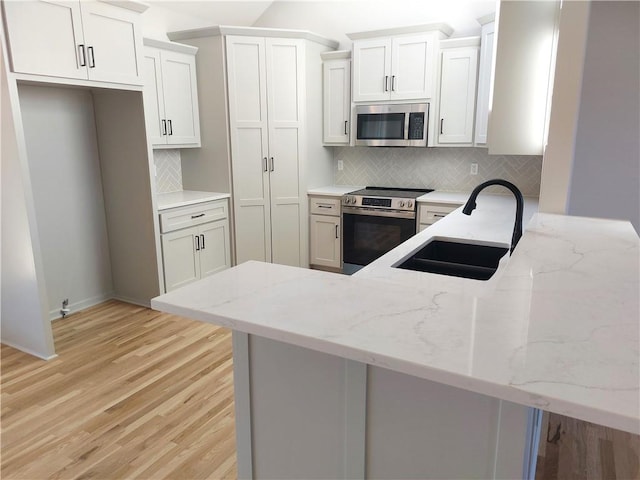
391,192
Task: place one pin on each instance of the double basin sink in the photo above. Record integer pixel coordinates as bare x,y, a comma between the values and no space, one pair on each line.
455,258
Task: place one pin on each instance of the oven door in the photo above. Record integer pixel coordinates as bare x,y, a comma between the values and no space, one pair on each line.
369,233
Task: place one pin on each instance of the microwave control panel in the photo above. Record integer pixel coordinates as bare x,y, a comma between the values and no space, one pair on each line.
416,126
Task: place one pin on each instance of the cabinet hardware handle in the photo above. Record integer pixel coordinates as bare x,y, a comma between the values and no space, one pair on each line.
337,227
266,163
441,125
202,246
386,83
83,55
273,165
437,215
164,127
92,58
170,127
325,206
345,127
197,243
197,216
393,83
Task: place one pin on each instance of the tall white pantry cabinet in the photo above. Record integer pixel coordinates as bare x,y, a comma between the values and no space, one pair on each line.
272,115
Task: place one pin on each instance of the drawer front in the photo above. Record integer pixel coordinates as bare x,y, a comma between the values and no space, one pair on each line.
431,213
325,206
197,214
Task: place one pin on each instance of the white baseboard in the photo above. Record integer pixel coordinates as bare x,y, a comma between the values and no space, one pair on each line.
29,351
81,305
135,301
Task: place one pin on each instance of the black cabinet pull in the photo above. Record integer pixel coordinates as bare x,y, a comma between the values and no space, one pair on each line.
441,125
197,216
92,58
170,127
345,127
265,160
337,227
197,243
83,54
273,167
386,83
202,246
393,83
164,127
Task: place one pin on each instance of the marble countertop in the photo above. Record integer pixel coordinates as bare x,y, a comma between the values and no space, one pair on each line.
333,190
183,198
556,327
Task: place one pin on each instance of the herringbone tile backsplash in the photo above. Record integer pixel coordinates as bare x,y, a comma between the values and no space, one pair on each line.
168,170
438,168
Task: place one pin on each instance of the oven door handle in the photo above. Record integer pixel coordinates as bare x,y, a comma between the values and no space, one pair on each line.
375,212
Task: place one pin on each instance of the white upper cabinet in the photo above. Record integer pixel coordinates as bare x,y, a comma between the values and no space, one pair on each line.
76,40
171,94
484,81
45,38
392,65
412,67
371,69
457,94
336,83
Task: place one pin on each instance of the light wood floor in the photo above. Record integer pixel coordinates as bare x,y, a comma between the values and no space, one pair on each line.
139,394
133,394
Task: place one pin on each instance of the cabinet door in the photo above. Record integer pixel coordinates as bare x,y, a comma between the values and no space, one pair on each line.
246,78
180,257
153,97
44,38
215,254
412,72
457,95
285,81
114,43
180,98
336,84
325,241
371,70
484,82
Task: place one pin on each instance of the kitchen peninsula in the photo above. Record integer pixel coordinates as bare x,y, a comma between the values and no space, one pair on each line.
395,373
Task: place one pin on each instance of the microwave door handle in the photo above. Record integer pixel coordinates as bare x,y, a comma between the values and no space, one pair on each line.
406,125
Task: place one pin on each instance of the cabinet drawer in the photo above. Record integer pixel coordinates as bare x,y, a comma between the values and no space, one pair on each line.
430,213
183,217
325,206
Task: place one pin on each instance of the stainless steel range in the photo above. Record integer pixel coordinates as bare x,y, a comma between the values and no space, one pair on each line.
374,221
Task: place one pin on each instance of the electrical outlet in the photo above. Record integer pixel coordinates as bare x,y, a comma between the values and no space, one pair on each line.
340,165
474,169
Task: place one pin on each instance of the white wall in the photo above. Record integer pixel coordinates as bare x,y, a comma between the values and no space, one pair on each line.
605,179
334,19
64,166
23,312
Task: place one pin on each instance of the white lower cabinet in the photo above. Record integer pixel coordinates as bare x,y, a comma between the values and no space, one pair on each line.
192,253
430,213
325,232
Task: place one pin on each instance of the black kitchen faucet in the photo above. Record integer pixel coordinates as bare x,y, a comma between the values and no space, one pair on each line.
517,227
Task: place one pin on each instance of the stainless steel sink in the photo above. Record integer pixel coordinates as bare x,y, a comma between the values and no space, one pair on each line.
456,258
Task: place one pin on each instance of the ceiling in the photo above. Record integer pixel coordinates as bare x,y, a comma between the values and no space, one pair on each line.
215,12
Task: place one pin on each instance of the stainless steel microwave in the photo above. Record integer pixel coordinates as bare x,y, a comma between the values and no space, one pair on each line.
402,125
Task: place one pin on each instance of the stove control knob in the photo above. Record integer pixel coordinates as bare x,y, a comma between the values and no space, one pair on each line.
401,203
409,204
346,200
